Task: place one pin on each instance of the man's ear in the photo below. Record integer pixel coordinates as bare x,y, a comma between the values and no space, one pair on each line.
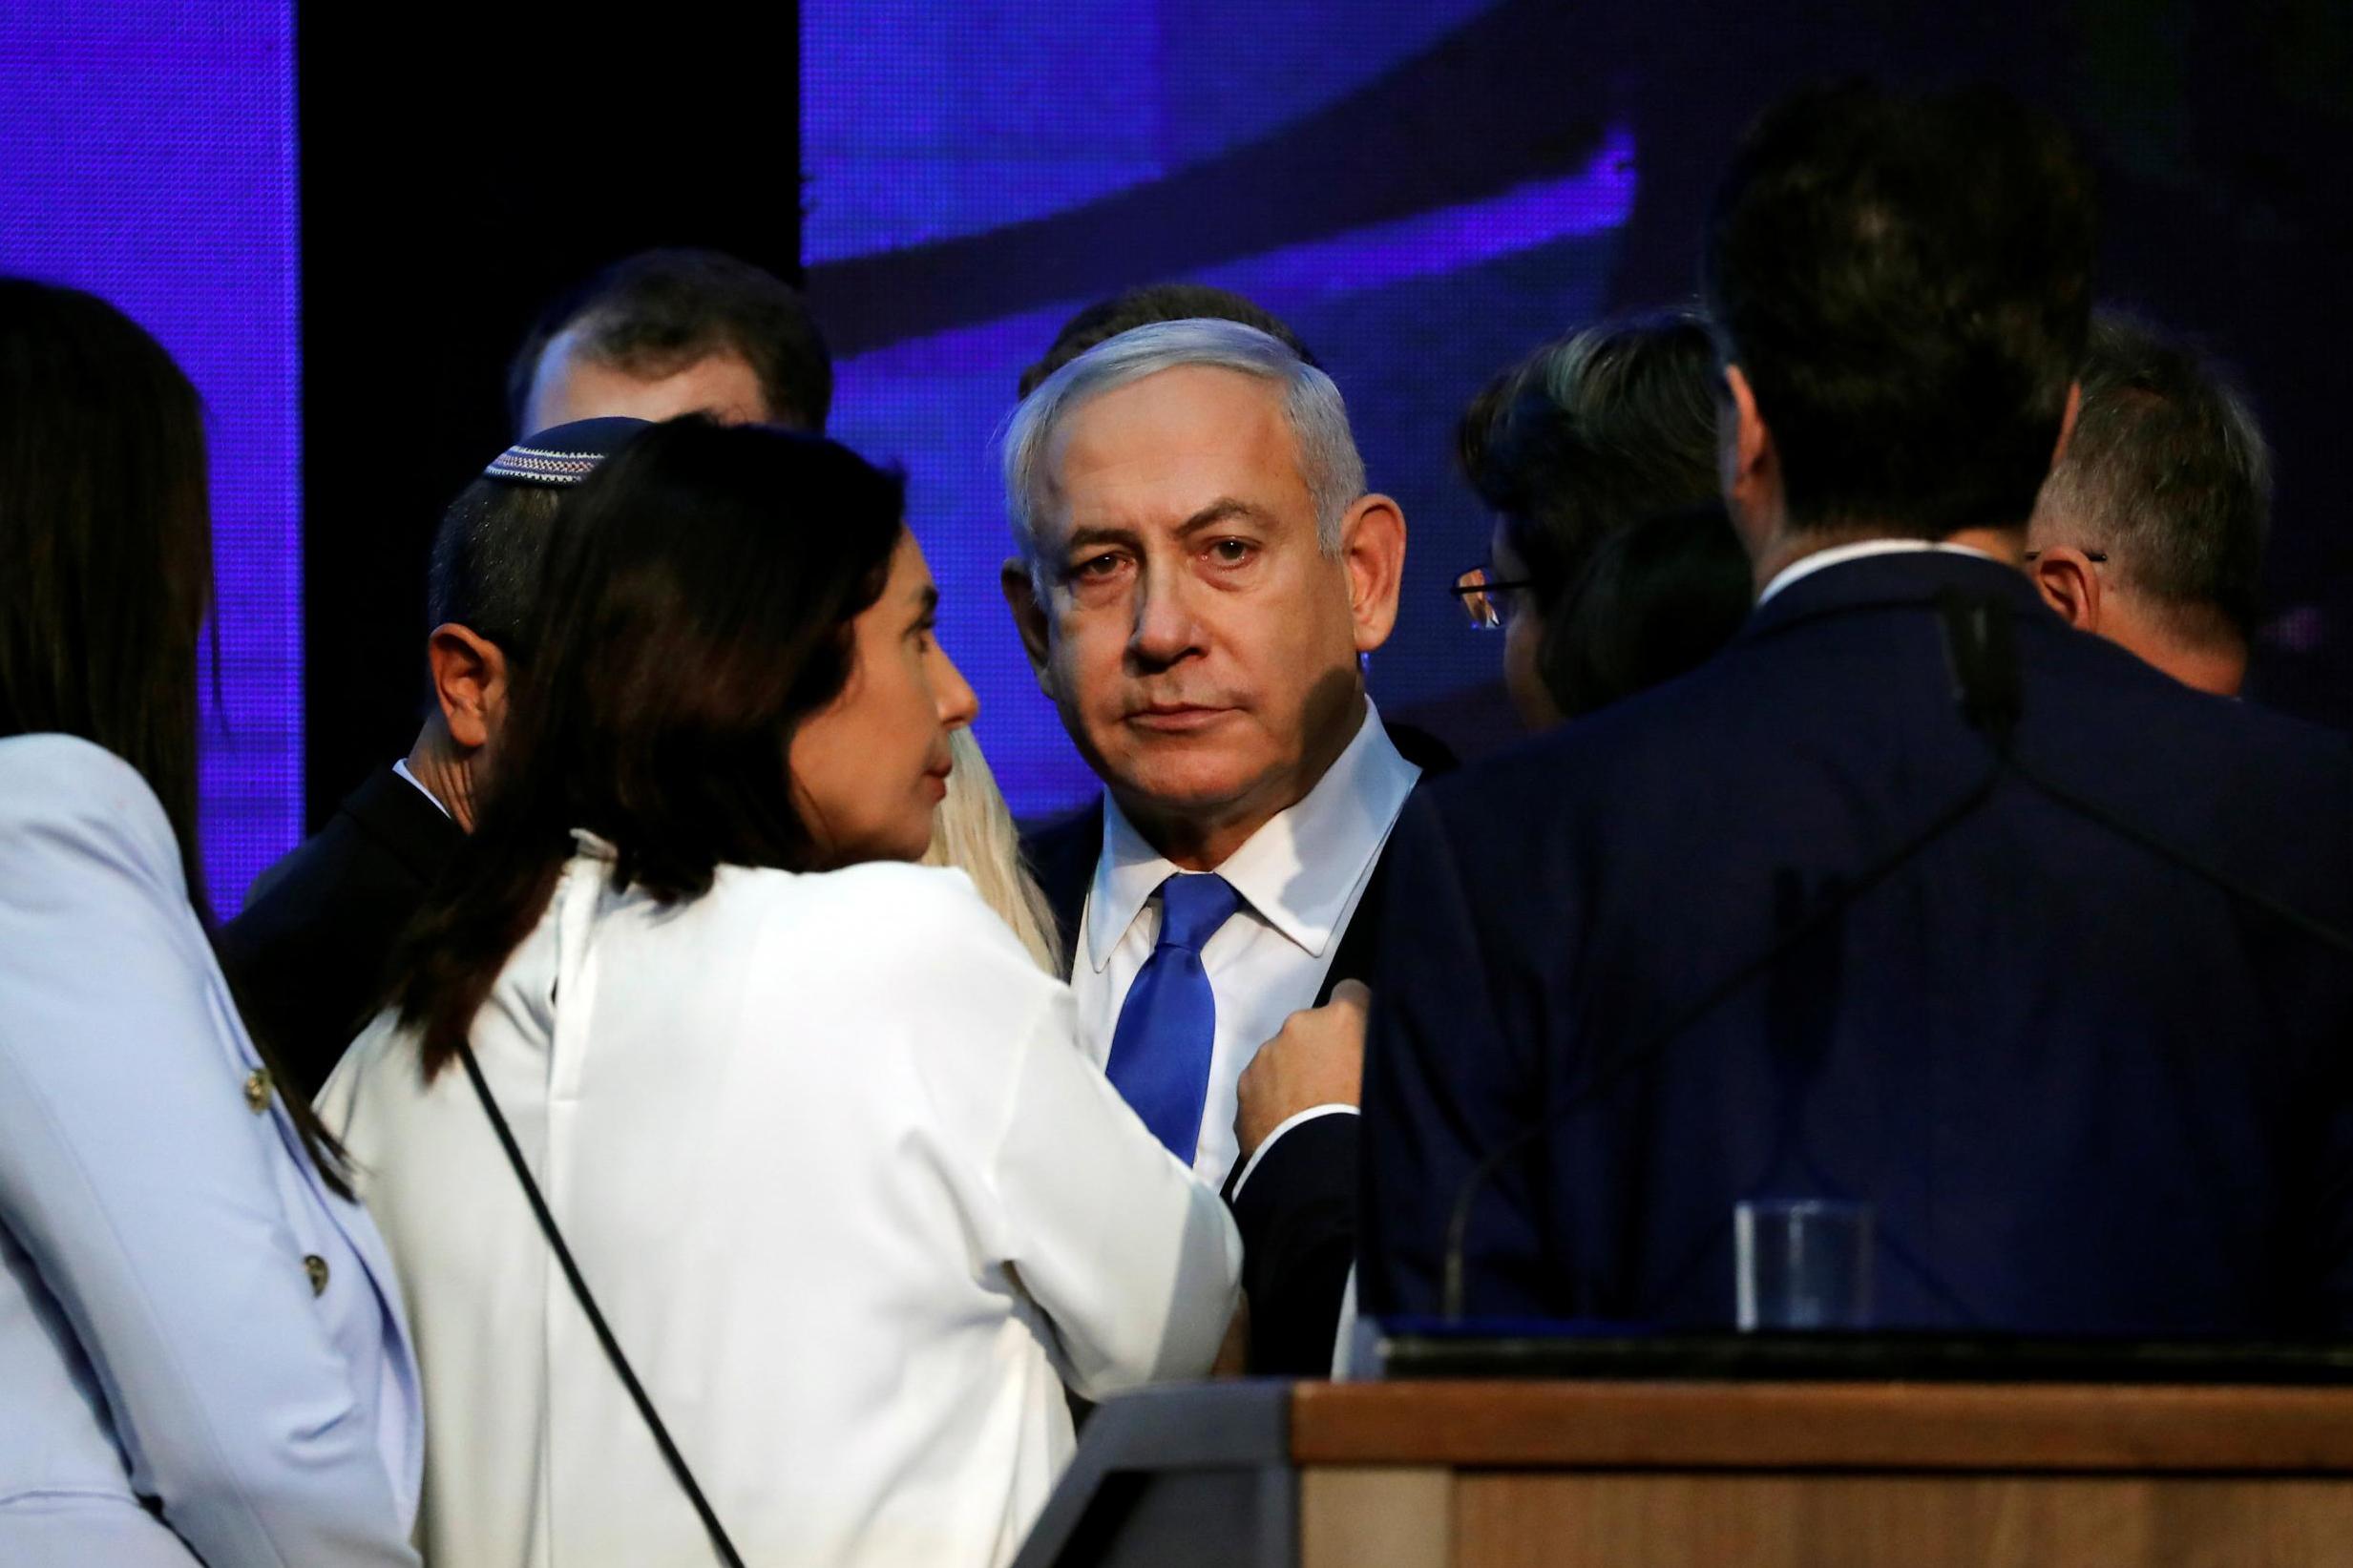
1030,616
1373,549
2070,584
469,683
1752,467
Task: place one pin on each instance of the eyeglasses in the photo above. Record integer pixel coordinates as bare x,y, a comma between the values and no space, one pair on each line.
2099,556
1488,603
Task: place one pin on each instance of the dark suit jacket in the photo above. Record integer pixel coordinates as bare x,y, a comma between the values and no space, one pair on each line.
1297,1213
308,954
2085,1092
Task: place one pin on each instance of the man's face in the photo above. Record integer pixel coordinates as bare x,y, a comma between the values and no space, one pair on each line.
1200,644
570,385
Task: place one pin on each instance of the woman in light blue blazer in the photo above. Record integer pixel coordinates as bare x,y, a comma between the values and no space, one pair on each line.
202,1350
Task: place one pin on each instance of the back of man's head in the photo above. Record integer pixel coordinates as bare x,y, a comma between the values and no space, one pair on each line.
1905,282
662,312
486,558
1147,307
493,540
2167,476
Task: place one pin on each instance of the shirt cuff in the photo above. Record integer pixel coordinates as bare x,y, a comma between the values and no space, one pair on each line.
1286,1125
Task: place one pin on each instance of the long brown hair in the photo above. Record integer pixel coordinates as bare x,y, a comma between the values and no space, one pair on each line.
696,607
107,538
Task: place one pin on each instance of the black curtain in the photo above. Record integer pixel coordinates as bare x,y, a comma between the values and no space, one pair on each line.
459,167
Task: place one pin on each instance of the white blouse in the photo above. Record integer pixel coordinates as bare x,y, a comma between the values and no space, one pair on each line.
850,1197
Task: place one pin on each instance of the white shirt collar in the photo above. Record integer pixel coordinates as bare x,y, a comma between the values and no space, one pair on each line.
1835,554
400,765
1298,872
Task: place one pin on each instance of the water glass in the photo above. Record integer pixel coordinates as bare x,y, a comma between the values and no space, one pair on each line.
1803,1262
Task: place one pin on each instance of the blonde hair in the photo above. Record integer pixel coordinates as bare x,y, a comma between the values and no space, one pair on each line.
974,832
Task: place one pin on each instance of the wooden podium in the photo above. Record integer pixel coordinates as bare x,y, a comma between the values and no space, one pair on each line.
1729,1474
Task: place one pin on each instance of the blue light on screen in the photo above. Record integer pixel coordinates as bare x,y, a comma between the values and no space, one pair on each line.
932,126
150,158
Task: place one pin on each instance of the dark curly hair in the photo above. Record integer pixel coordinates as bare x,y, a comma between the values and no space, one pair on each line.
1905,282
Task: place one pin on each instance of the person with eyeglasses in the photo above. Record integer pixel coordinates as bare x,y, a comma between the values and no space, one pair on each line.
1612,566
1655,600
1818,919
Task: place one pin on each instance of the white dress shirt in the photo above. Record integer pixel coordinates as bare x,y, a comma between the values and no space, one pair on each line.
852,1203
1300,877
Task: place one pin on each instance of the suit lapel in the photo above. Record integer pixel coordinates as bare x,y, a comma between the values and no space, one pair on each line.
1360,937
1062,856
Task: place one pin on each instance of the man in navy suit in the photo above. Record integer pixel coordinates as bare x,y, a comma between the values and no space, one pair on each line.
2083,1090
1201,568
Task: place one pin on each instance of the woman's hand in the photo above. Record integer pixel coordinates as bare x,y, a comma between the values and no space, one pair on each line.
1316,1059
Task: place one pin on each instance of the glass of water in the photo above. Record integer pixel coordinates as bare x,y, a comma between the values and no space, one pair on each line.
1803,1262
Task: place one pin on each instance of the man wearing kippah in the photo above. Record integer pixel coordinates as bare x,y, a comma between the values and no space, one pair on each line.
308,952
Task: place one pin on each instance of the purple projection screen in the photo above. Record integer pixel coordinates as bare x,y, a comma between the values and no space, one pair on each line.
147,153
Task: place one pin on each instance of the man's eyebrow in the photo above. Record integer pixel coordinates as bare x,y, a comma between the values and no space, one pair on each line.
1223,510
1093,535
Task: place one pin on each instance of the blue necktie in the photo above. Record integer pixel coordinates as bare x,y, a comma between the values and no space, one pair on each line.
1159,1049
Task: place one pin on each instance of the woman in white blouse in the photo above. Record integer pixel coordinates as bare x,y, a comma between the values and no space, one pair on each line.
202,1353
813,1123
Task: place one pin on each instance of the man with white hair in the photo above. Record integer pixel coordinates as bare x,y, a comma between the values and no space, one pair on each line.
1201,569
2149,530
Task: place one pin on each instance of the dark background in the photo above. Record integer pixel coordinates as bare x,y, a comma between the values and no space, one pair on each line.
449,189
457,173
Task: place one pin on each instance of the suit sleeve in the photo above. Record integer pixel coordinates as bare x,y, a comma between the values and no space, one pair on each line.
1296,1209
2335,1230
2334,1186
138,1185
1444,1088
